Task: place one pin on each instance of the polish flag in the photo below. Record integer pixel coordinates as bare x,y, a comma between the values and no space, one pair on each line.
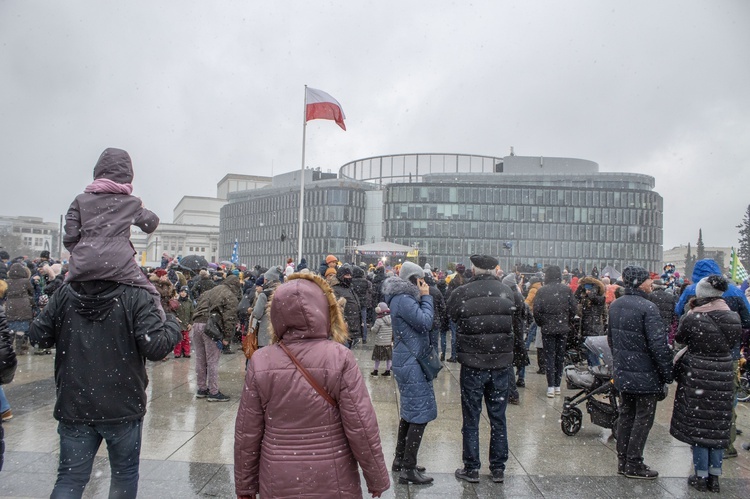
321,106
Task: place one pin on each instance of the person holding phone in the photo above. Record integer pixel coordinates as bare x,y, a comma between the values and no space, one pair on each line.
408,297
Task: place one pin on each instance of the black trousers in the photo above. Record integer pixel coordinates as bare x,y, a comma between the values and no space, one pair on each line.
634,424
407,443
554,357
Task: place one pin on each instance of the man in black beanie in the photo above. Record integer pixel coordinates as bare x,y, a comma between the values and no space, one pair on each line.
642,366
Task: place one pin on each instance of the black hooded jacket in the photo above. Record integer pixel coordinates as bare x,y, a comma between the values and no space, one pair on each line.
554,304
352,314
103,332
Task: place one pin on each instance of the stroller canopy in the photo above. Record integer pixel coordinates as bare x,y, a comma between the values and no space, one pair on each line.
599,346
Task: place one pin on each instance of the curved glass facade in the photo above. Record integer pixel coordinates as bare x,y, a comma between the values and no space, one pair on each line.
334,220
564,225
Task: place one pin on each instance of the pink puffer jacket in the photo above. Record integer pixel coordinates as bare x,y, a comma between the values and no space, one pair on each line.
290,442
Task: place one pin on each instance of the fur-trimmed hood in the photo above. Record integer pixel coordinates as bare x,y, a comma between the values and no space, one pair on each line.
396,286
596,282
304,307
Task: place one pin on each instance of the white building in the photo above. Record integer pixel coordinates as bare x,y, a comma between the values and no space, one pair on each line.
35,233
195,226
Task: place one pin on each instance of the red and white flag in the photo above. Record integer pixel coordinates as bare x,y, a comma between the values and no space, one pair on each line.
321,106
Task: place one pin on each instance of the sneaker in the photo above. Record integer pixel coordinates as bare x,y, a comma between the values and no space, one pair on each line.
699,483
730,452
514,401
218,397
227,351
498,476
186,356
374,372
557,390
442,359
640,471
201,394
541,371
521,383
386,373
452,359
471,476
6,415
550,392
177,356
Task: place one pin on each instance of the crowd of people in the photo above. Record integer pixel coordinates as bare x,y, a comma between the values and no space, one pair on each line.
305,423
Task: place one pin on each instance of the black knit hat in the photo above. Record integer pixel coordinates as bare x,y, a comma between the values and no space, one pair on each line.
634,276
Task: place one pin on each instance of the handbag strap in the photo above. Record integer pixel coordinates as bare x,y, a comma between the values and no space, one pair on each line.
308,376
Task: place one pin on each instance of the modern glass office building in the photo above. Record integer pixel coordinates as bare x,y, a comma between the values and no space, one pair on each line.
264,221
533,211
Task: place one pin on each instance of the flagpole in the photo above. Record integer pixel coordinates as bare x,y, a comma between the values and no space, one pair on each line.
302,181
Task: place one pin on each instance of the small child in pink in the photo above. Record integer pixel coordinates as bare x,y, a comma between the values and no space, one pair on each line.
97,227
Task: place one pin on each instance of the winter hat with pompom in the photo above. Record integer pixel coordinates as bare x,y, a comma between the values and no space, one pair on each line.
713,286
382,308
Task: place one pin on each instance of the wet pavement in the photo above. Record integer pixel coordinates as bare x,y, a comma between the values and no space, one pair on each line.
188,443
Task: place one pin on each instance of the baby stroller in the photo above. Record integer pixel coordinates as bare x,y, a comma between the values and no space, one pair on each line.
594,383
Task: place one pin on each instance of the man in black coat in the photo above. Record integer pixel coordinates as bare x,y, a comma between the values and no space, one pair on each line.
352,308
363,289
103,332
485,312
8,364
642,366
665,301
554,310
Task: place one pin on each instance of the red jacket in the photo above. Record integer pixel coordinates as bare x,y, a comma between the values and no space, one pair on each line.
290,442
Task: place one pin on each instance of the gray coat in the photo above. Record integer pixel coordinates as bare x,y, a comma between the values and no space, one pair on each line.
97,227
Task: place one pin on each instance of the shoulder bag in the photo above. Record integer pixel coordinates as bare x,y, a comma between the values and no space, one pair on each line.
309,377
429,361
250,340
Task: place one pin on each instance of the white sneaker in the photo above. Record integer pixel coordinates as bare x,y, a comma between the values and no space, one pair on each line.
557,390
550,392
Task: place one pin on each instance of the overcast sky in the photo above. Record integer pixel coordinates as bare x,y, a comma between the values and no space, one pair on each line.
194,90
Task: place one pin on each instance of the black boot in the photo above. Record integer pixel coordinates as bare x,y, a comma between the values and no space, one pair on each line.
713,483
414,476
398,461
699,483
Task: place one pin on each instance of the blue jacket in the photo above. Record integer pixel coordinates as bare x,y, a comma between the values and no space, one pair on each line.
642,359
411,318
734,297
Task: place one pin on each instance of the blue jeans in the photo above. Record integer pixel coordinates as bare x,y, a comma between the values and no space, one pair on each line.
78,446
453,339
531,337
4,404
492,385
707,461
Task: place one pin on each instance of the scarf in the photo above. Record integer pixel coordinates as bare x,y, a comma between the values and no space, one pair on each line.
107,186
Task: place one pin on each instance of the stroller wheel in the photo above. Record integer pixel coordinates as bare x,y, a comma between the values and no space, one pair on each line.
571,422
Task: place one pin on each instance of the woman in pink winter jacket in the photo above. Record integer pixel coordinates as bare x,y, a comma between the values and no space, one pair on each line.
289,441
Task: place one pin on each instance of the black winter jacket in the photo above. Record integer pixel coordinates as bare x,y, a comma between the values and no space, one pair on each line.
642,359
554,308
7,354
665,302
593,306
352,314
703,401
485,310
362,288
103,332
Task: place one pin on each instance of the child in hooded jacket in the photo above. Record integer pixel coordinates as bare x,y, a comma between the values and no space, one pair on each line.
97,227
383,333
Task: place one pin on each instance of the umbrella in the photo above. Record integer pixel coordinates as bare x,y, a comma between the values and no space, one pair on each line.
194,262
227,263
614,274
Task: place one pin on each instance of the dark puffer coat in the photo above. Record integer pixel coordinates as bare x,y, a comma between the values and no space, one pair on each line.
7,367
703,402
19,304
593,306
352,314
665,301
485,312
642,359
554,305
411,318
